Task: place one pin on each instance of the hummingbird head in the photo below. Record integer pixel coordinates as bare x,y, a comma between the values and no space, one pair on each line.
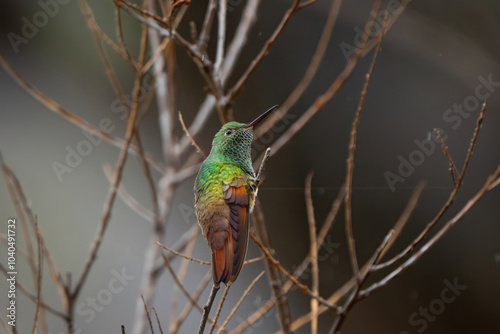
233,142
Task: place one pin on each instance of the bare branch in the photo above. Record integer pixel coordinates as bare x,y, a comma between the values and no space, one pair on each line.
72,118
147,313
492,181
352,149
233,52
182,255
236,89
283,308
186,131
223,299
453,167
119,172
309,74
313,252
207,308
282,270
158,321
448,203
196,296
245,294
221,37
38,278
207,26
403,219
321,101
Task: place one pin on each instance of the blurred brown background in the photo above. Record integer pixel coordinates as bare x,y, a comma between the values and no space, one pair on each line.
430,60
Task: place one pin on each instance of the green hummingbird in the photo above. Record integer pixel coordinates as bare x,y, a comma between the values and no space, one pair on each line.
225,191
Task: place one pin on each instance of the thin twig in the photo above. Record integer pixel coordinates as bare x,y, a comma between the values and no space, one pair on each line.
207,308
112,194
4,325
131,202
275,281
403,219
186,131
492,181
196,296
309,74
262,167
338,83
233,52
235,308
158,321
207,25
217,314
352,149
121,39
258,314
255,259
23,209
453,167
348,286
353,297
147,314
221,37
38,279
99,36
238,86
182,255
72,118
313,251
282,270
448,203
181,275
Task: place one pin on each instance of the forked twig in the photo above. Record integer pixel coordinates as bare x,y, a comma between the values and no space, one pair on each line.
353,297
448,203
492,181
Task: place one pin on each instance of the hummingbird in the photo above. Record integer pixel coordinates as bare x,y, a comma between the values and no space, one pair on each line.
225,191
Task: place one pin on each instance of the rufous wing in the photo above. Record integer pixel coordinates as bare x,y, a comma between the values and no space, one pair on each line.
219,240
237,199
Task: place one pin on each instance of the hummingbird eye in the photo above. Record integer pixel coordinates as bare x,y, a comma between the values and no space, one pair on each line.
229,131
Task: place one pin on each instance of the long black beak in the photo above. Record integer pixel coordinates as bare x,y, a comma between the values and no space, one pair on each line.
260,118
